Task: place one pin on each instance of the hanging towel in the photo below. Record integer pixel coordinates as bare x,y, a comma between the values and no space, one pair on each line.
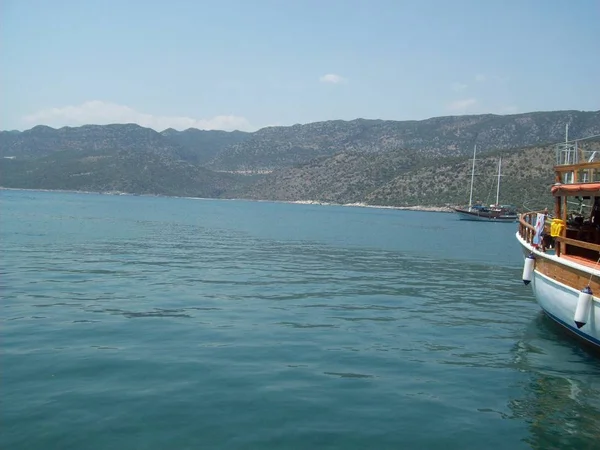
539,228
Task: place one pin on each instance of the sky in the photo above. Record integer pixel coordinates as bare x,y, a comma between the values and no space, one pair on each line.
247,64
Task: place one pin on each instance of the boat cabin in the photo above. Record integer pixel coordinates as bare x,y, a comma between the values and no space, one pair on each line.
573,230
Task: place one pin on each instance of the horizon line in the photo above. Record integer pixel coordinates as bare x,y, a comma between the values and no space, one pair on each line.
14,130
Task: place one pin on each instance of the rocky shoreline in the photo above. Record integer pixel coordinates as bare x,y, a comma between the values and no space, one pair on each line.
444,209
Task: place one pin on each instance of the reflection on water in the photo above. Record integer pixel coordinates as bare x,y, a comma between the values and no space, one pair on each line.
561,398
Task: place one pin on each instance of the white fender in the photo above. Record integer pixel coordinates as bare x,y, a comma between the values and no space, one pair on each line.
528,268
584,305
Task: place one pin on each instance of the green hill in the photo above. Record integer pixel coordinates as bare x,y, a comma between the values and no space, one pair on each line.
279,147
378,162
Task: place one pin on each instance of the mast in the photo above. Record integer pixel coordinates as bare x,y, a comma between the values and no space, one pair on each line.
472,178
498,188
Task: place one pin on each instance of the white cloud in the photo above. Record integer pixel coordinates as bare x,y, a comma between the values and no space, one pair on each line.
332,78
480,78
462,106
457,87
101,113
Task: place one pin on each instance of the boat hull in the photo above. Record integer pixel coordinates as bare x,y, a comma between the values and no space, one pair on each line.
477,216
559,303
558,299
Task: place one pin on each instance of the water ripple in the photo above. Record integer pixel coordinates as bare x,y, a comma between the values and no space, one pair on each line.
145,323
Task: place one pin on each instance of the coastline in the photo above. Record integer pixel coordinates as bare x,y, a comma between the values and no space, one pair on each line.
443,209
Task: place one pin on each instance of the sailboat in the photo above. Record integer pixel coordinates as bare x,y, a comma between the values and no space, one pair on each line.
492,213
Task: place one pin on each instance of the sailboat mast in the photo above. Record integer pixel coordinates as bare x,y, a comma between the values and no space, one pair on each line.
472,178
498,188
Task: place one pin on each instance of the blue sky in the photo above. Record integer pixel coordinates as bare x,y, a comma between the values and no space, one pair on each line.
254,63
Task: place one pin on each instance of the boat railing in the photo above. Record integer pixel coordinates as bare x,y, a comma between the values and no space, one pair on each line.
567,153
575,152
584,172
527,225
578,239
576,163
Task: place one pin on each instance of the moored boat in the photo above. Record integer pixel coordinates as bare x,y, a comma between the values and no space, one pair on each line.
482,213
562,252
493,213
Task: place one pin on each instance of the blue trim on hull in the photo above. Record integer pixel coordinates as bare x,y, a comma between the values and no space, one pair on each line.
574,330
486,219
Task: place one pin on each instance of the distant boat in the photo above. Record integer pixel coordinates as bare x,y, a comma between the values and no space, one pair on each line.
561,254
482,213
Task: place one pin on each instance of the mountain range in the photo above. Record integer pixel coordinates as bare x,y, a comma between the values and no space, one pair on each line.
379,162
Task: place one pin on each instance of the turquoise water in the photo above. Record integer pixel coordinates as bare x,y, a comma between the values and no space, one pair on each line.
138,322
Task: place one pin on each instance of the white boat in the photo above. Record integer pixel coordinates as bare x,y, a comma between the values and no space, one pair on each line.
482,213
562,254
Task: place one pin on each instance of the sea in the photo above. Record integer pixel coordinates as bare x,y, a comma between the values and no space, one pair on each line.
134,322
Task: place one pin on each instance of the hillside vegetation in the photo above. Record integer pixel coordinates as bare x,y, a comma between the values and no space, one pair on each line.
278,147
